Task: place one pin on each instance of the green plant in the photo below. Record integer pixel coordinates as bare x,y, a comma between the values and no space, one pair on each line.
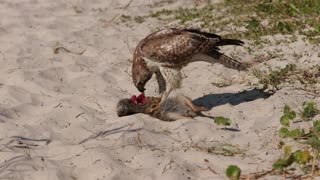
288,115
275,77
311,139
278,77
284,161
139,19
233,172
185,16
222,121
309,110
225,149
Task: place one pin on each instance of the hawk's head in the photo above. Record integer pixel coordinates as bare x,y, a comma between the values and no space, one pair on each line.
141,74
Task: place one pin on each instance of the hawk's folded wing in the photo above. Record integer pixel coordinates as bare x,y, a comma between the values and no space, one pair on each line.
174,46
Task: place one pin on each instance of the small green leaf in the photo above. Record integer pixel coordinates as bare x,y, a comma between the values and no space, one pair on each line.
316,126
302,157
288,115
309,110
292,115
284,132
317,28
252,24
278,165
222,121
284,120
284,26
295,9
287,109
283,162
287,150
296,133
313,141
233,172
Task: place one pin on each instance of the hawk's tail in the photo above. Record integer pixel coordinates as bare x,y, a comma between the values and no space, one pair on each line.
227,61
224,42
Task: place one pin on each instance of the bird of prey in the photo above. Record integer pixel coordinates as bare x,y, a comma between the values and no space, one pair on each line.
165,52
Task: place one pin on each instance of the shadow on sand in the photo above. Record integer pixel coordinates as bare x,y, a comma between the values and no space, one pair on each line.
212,100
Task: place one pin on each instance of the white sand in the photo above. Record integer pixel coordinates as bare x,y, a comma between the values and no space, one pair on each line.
57,111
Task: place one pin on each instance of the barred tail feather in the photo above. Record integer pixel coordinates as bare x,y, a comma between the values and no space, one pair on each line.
224,42
227,61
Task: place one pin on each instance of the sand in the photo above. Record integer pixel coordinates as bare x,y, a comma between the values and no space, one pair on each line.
57,111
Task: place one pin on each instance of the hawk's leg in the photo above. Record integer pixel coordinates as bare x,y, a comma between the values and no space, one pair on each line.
161,82
172,80
162,88
163,96
155,108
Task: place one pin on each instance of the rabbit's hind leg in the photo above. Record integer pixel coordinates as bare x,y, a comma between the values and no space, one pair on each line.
188,102
175,116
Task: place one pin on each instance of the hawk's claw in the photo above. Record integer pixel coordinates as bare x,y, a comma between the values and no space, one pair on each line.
155,108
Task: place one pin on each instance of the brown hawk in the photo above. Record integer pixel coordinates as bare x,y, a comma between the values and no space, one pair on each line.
165,52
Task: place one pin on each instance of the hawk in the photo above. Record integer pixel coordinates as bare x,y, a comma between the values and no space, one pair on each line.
165,52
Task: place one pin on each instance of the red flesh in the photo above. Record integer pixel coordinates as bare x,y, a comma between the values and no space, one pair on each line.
141,99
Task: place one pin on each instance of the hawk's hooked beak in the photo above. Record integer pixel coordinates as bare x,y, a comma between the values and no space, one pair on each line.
140,87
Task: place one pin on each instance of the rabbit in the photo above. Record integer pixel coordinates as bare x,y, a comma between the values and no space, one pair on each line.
172,109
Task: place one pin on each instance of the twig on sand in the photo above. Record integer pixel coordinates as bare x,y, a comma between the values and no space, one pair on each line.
208,168
57,49
117,15
14,160
138,140
112,19
213,171
256,175
128,4
57,105
128,45
108,132
130,125
141,144
79,115
47,141
167,166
